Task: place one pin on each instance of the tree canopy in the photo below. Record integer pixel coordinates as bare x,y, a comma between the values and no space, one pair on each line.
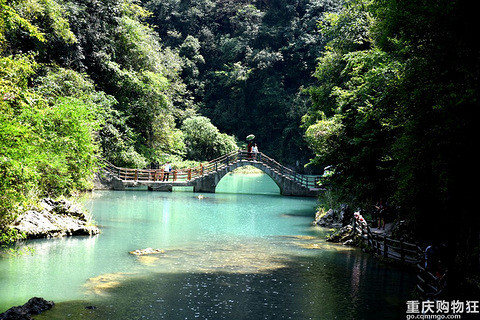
393,112
246,62
80,81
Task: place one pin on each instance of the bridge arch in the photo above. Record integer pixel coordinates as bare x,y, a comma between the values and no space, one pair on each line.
257,165
206,177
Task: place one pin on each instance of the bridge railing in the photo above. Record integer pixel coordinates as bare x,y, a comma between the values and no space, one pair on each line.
214,165
305,180
127,174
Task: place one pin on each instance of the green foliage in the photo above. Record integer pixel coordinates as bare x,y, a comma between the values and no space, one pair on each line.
98,83
125,59
246,62
393,108
11,21
47,141
204,141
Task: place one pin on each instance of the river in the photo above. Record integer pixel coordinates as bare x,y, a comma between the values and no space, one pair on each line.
229,255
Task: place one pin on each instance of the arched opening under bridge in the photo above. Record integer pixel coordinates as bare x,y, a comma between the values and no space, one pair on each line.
247,180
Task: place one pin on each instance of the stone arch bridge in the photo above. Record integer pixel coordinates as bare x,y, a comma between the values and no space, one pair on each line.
205,178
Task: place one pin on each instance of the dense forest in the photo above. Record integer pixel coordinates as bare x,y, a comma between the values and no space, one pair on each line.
246,64
81,81
380,92
393,114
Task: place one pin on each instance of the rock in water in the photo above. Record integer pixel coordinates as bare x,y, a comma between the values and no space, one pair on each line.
33,306
57,219
141,252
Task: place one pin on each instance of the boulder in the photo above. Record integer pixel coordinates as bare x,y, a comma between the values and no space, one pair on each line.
33,306
342,235
332,218
56,219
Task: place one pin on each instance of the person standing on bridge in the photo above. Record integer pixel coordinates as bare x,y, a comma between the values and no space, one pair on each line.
166,171
255,151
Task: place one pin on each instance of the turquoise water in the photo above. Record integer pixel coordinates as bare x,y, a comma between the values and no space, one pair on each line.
225,256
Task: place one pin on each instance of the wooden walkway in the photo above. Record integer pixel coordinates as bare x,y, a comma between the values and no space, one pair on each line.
429,286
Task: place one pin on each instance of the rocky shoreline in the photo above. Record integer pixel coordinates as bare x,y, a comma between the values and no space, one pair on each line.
34,306
54,218
346,233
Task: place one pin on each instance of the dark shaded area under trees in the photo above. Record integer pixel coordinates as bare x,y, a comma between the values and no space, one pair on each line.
393,115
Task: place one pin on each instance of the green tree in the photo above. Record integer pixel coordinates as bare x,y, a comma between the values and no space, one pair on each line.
203,140
47,142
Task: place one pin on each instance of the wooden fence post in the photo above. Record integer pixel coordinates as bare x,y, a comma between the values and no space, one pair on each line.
379,248
189,174
385,247
354,226
402,252
136,174
201,169
174,175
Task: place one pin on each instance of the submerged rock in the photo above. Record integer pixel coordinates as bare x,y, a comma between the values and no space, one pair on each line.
56,219
141,252
33,306
100,285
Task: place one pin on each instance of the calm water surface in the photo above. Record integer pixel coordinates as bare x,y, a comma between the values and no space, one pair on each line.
225,256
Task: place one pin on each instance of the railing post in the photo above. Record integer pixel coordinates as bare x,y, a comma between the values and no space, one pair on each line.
174,175
379,249
136,174
402,252
189,174
385,247
201,169
354,226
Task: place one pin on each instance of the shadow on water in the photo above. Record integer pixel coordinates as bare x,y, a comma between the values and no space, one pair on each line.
303,288
222,257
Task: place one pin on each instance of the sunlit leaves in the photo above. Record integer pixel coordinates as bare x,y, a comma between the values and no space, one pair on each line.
204,141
